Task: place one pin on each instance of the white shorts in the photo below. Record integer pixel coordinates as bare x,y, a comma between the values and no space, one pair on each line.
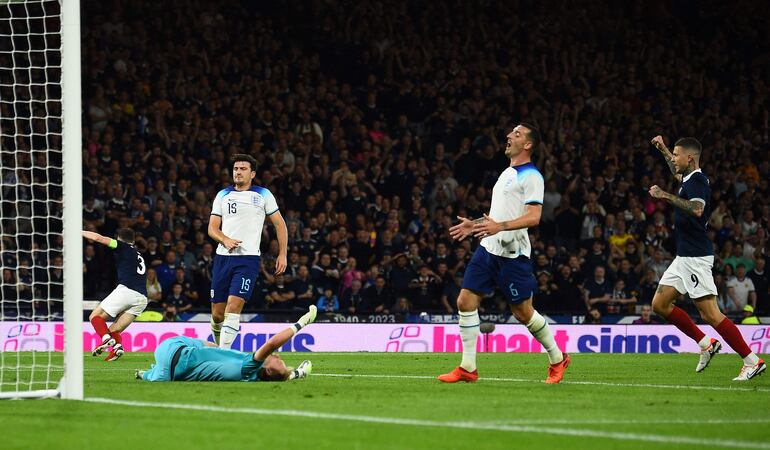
691,275
123,299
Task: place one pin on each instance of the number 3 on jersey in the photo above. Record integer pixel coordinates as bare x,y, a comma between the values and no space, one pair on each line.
140,268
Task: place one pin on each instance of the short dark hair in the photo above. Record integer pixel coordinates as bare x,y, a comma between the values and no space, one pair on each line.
533,135
691,144
126,235
242,157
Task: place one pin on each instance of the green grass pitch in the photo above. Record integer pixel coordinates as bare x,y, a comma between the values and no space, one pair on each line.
393,401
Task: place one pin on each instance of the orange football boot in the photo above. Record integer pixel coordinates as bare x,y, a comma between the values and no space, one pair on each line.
556,371
459,374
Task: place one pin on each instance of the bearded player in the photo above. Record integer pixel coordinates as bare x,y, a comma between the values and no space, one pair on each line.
237,216
503,258
690,272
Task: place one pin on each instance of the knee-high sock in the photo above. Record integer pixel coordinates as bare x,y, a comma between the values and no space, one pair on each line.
540,330
100,326
469,332
216,328
681,320
230,328
115,335
732,336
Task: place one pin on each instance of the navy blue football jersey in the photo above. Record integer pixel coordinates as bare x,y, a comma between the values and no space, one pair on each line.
690,231
132,271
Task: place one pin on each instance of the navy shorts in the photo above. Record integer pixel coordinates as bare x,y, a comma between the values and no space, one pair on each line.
513,276
233,275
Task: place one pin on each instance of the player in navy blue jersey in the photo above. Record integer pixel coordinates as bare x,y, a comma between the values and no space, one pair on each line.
690,272
128,300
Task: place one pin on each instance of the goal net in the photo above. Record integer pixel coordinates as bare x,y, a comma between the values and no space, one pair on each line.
40,199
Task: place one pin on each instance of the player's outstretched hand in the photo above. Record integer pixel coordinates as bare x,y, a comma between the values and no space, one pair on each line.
308,317
486,228
230,244
657,192
462,230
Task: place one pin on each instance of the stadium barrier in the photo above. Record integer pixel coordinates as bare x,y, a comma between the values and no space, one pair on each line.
431,338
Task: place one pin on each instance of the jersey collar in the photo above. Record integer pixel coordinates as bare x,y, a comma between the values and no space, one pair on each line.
690,174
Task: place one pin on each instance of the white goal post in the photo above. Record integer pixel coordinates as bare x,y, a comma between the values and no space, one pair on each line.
41,302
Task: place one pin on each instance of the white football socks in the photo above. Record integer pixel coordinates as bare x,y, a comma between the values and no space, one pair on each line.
540,330
230,328
469,332
704,343
216,328
751,359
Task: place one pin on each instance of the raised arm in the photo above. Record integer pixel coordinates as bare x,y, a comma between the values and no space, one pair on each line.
691,207
277,341
657,141
96,237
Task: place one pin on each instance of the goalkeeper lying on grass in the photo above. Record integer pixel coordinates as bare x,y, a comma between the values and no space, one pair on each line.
186,359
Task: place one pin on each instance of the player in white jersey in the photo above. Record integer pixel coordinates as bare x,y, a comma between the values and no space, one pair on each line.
237,217
503,259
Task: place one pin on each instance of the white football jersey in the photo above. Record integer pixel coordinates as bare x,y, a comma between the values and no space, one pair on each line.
243,216
517,187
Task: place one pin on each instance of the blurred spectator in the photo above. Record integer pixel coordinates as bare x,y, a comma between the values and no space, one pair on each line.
646,316
167,271
352,299
154,291
328,302
377,298
740,290
425,288
737,258
402,306
759,278
748,316
568,294
280,294
598,291
303,288
594,317
175,303
450,294
621,301
188,289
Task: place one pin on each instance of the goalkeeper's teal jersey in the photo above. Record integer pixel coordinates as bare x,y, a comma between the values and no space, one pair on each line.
200,363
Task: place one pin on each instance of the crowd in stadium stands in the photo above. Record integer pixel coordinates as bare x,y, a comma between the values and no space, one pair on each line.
376,123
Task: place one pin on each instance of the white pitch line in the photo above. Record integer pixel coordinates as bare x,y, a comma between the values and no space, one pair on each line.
590,383
522,380
618,436
631,421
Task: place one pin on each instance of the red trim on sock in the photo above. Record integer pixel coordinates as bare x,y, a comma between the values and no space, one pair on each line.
115,335
681,320
733,337
100,326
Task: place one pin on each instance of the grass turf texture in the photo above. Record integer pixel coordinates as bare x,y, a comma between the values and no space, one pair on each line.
519,411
